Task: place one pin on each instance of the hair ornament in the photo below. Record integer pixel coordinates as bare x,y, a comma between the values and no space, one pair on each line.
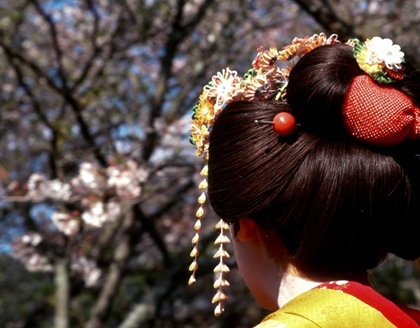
369,107
301,46
379,58
265,80
374,113
283,123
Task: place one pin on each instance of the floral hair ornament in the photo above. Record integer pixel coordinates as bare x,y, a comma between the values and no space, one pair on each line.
264,81
376,113
379,58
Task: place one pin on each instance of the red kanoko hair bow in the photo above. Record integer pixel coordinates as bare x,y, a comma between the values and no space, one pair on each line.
379,114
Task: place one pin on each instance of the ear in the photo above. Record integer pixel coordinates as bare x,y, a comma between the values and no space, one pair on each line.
247,229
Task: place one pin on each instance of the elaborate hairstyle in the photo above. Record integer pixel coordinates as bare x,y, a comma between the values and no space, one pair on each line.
343,189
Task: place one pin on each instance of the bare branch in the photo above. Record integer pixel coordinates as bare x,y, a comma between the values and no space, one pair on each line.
53,152
56,45
328,18
131,14
84,128
149,308
149,226
113,50
67,96
96,50
30,64
177,35
116,271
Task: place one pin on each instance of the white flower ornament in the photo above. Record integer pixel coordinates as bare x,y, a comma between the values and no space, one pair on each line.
380,58
266,80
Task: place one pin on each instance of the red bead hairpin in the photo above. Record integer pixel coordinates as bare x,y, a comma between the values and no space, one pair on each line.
283,123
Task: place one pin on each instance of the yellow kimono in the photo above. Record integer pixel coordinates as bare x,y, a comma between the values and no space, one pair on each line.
339,304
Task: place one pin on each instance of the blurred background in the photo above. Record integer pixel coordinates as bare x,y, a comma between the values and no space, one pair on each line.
97,178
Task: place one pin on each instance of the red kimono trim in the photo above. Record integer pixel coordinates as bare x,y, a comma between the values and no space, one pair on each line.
400,316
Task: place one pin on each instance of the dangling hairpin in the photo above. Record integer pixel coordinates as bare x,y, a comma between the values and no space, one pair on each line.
379,58
264,81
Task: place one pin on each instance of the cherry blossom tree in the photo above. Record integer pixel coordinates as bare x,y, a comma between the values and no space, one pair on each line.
97,177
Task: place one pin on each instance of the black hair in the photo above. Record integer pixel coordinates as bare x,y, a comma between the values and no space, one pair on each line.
336,203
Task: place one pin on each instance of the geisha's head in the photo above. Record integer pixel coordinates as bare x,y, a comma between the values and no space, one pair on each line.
333,197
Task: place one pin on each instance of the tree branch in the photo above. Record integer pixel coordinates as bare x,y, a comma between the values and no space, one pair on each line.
96,50
53,152
177,35
149,226
56,45
67,96
84,128
325,16
25,61
149,308
116,271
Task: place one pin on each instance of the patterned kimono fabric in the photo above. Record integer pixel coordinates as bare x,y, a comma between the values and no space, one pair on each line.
341,304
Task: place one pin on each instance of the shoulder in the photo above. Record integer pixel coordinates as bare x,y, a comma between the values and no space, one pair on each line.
325,307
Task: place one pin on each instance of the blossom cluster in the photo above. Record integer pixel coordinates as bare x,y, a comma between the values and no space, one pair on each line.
99,191
24,249
90,273
39,188
27,252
